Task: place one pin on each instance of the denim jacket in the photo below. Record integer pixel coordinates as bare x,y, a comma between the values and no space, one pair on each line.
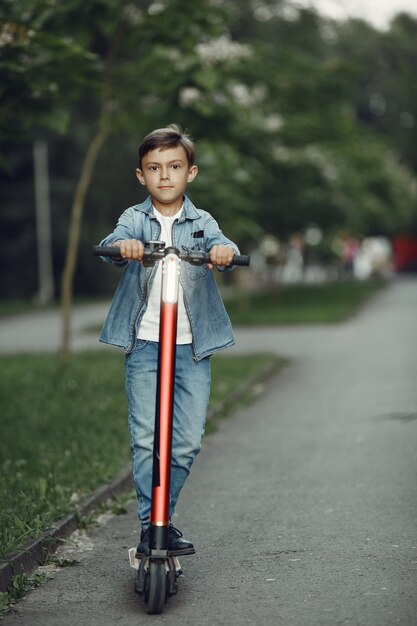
210,325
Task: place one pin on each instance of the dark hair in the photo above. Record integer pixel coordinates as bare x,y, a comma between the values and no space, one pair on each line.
169,137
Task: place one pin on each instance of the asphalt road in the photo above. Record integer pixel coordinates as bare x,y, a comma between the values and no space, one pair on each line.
303,506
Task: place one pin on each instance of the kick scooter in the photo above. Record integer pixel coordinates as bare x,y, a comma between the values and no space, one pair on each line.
157,572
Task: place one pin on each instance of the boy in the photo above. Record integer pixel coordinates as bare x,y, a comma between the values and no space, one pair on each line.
166,166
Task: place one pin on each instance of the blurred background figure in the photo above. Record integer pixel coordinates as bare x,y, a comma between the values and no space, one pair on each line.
350,249
373,258
293,271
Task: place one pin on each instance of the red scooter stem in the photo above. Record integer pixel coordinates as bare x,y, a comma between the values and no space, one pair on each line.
165,399
159,518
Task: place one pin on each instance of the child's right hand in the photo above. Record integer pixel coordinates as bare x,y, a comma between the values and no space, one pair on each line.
130,249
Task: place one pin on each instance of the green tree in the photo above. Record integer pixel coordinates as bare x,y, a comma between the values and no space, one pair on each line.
151,57
298,119
148,58
321,162
42,69
382,83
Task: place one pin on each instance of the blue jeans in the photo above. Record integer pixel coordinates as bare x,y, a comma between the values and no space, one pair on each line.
192,390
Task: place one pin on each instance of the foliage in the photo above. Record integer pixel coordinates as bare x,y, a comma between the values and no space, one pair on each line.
321,165
382,84
41,67
298,119
20,585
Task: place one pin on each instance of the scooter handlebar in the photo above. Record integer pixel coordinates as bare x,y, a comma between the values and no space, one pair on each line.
109,251
191,256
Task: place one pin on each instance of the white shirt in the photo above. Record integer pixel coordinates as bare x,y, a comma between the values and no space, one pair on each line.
149,326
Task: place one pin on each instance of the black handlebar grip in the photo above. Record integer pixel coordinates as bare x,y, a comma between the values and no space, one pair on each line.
238,259
241,259
111,251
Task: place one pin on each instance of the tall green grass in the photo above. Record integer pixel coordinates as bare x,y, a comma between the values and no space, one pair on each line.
303,304
64,432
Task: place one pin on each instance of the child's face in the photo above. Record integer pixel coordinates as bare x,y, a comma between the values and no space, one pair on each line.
166,173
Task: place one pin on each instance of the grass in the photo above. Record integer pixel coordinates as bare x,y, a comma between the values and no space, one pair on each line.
64,432
21,584
303,304
17,307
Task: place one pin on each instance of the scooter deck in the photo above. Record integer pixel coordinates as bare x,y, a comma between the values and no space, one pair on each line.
135,560
184,552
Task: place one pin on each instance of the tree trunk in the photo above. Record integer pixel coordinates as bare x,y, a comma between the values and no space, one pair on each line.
77,210
43,222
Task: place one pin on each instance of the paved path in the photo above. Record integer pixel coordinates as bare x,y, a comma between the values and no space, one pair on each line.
41,331
303,507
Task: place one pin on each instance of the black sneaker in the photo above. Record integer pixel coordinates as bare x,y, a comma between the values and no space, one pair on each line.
143,547
178,545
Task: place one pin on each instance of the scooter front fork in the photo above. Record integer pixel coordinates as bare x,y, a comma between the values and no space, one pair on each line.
171,564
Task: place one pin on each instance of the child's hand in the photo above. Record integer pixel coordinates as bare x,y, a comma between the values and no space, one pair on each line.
221,256
131,249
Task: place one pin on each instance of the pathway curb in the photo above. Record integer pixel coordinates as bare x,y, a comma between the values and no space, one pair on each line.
36,551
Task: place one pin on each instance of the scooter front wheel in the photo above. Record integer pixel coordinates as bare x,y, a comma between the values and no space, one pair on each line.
157,586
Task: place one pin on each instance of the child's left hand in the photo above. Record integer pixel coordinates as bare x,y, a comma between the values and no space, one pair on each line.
221,256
